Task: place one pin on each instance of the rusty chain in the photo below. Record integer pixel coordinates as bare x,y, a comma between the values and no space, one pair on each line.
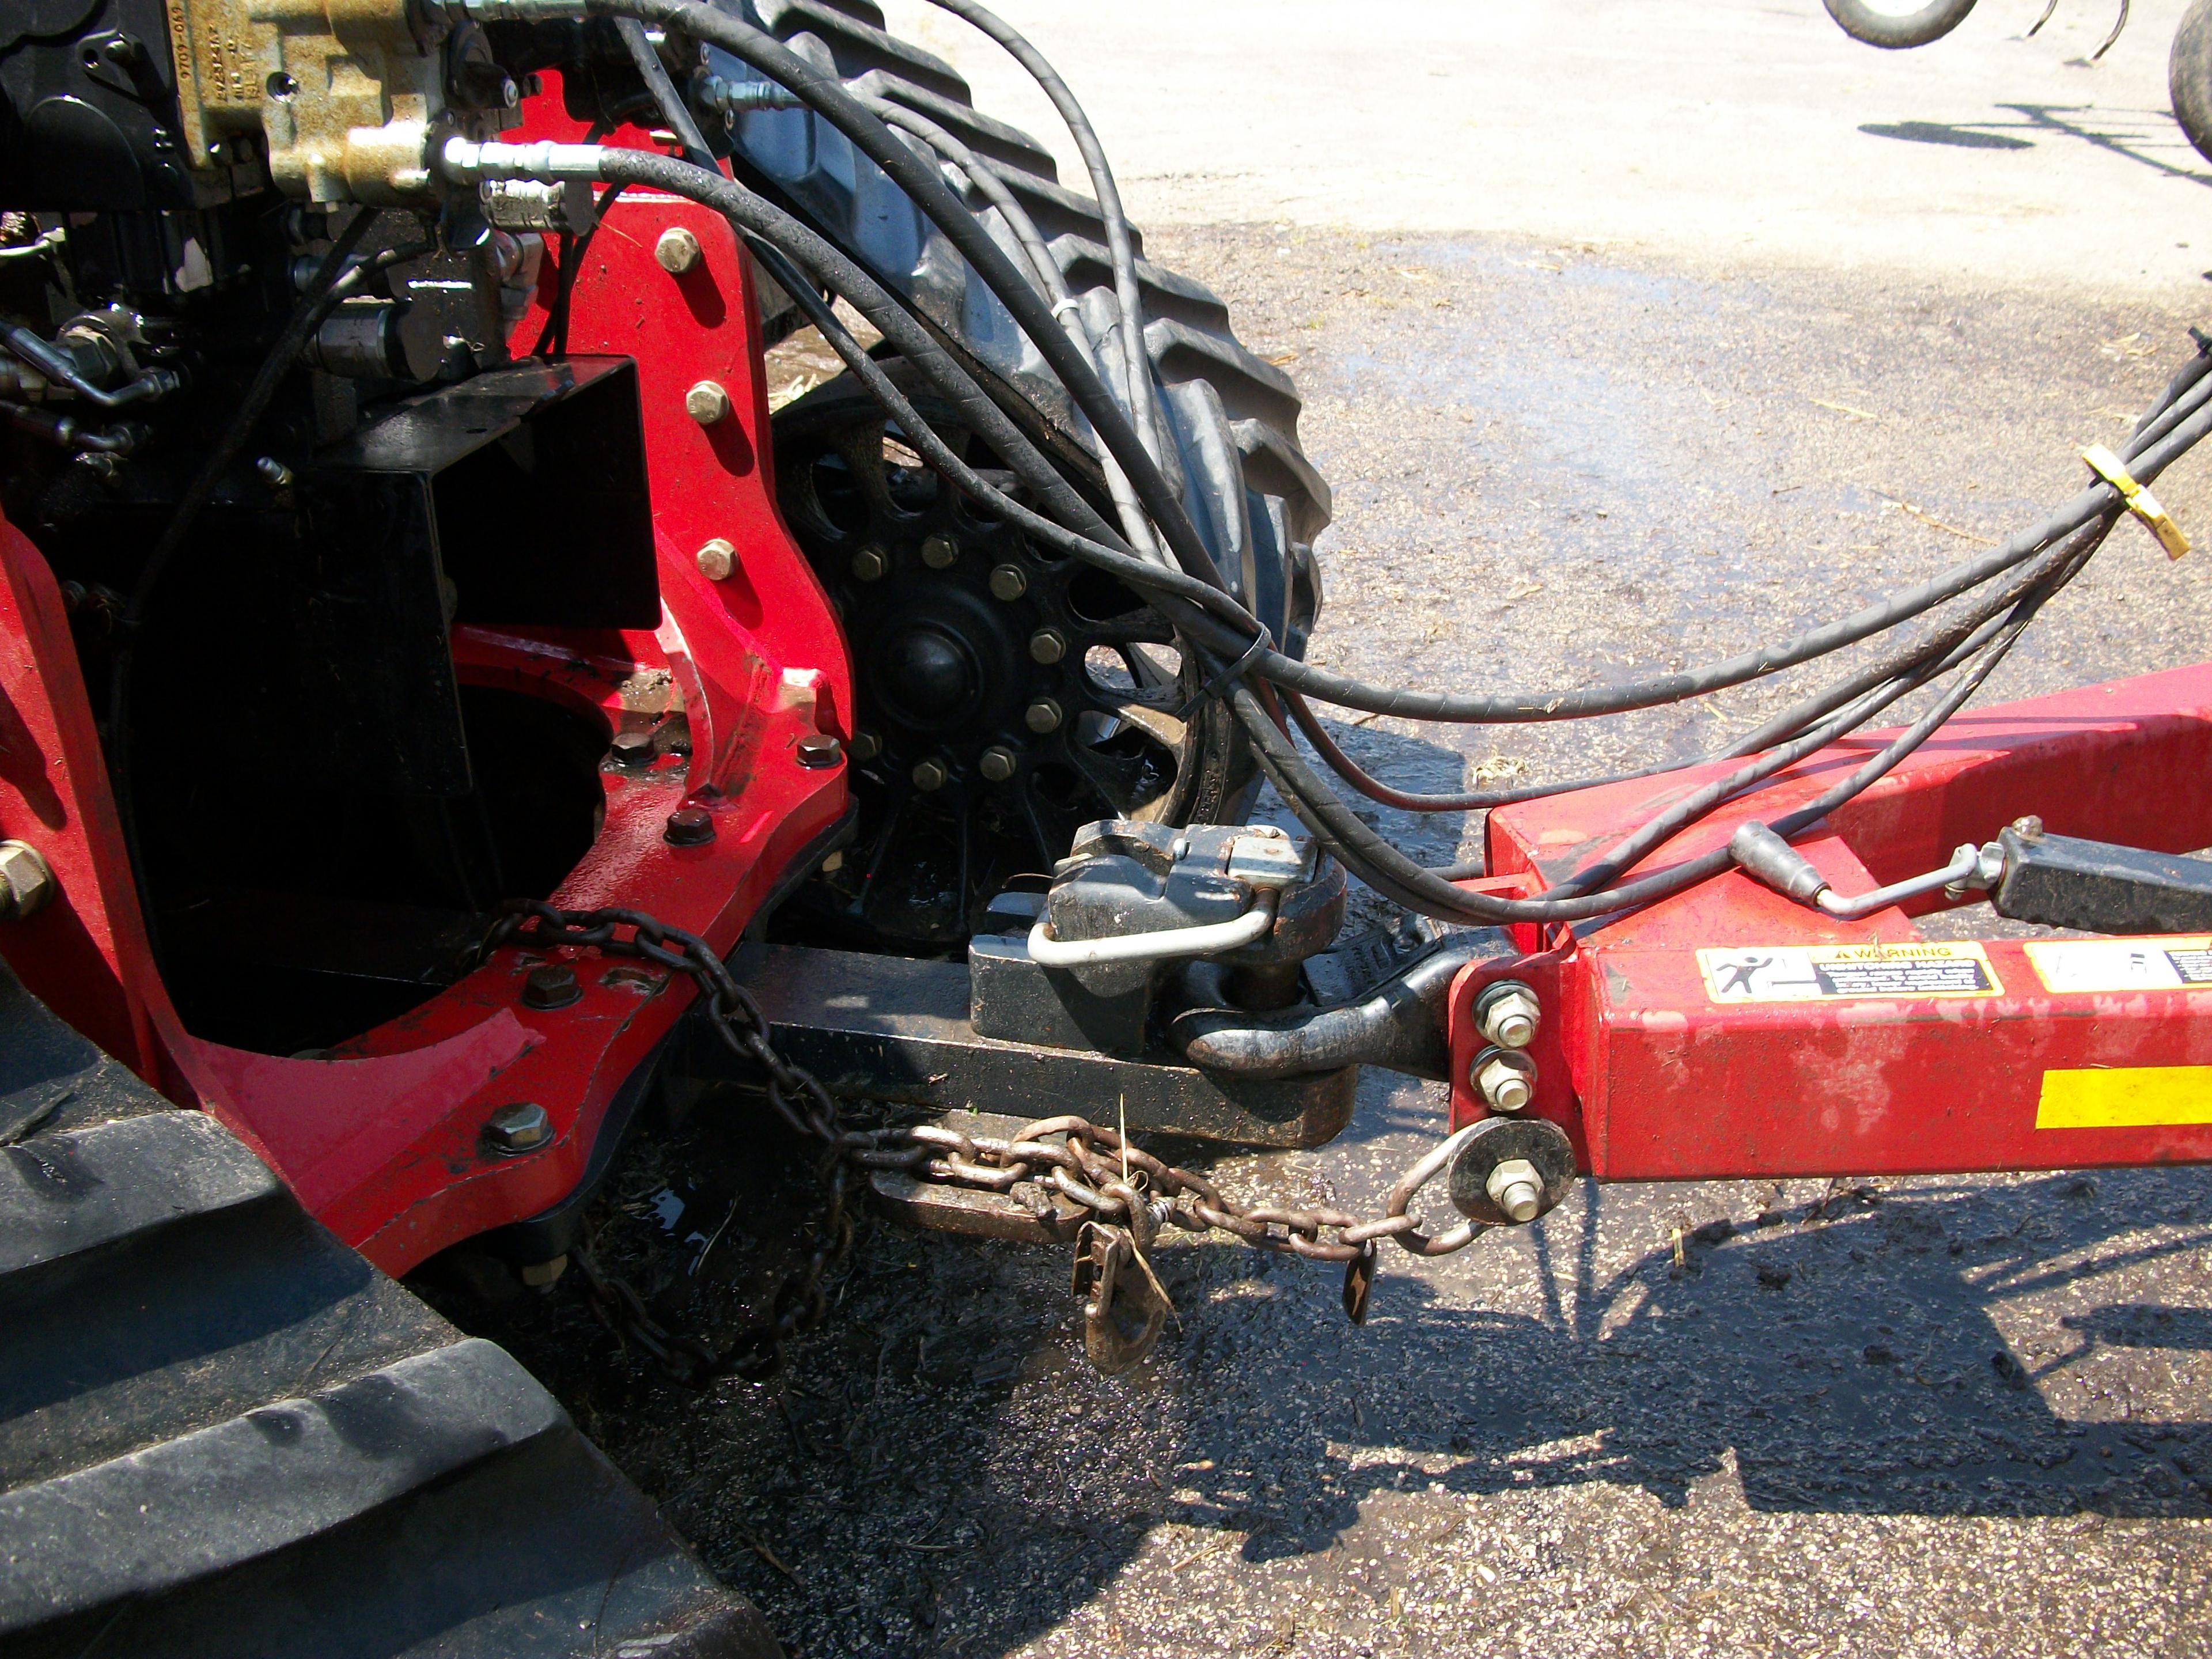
1124,1195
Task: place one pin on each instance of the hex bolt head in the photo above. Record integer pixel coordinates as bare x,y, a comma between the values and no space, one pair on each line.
870,565
930,775
1048,645
707,402
1506,1014
632,748
940,552
553,986
819,750
1009,581
1516,1187
689,826
677,250
718,559
27,885
865,747
2029,828
1506,1087
1042,716
998,762
513,1130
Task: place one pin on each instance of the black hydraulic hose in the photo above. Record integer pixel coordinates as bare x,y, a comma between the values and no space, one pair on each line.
2098,499
827,96
666,97
940,458
1391,873
756,214
1120,246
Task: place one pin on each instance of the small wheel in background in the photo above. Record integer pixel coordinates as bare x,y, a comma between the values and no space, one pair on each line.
1895,25
2188,75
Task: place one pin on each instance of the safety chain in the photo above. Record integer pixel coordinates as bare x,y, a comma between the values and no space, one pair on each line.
1127,1195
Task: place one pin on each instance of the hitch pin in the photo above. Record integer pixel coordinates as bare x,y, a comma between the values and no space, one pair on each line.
1790,872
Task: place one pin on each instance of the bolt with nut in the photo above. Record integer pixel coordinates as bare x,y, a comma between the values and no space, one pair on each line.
1506,1014
1505,1079
513,1130
1516,1187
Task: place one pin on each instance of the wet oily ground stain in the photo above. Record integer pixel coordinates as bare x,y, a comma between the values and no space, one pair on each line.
1955,1417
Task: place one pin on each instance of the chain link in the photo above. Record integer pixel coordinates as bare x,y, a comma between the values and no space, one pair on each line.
1116,1183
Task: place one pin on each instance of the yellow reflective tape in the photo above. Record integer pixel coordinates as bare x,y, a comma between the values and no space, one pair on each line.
2141,502
2125,1097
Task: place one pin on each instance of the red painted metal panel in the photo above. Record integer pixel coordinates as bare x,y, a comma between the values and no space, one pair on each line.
1667,1082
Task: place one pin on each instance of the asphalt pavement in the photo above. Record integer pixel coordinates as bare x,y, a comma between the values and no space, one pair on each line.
1611,421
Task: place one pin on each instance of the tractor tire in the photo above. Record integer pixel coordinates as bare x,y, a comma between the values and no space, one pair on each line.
937,817
1897,31
225,1436
2188,75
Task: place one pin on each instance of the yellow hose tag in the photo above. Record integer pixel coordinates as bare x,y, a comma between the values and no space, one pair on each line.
2141,502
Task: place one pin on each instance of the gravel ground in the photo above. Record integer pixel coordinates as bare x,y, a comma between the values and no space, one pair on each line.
1928,1416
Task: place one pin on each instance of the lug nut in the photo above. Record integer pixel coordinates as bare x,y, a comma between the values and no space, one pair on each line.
1042,716
869,564
1506,1014
939,552
998,764
929,775
1505,1080
550,987
819,750
1048,645
689,826
718,559
707,402
27,885
1009,581
513,1130
1516,1187
865,747
632,748
677,250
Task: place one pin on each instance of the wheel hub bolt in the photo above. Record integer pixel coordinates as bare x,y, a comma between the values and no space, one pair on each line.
553,986
677,250
1505,1080
1516,1187
1506,1014
939,552
865,747
1009,581
718,559
819,748
513,1130
689,826
707,402
1048,645
998,762
632,748
1042,716
869,564
929,775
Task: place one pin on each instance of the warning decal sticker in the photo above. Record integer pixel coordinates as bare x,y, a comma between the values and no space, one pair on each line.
2123,964
1820,973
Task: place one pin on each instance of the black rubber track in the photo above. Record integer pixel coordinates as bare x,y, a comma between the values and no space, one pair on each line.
223,1433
